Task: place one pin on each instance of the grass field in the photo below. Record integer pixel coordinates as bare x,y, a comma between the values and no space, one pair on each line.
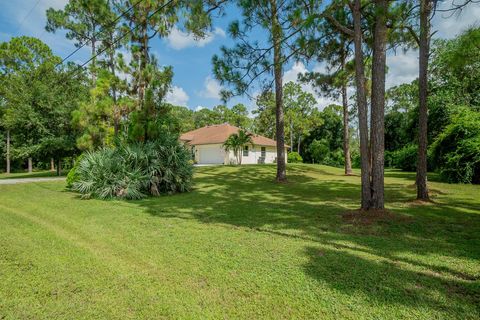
35,174
241,246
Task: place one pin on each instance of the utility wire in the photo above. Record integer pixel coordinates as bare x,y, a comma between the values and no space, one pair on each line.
26,16
111,24
122,36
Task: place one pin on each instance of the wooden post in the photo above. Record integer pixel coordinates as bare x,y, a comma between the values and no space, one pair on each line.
8,152
59,169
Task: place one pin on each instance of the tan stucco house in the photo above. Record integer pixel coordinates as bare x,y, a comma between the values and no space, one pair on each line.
207,146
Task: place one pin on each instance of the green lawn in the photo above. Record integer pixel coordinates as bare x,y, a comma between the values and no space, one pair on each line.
241,246
35,174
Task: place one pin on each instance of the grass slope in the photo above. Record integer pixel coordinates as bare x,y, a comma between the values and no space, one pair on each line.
241,246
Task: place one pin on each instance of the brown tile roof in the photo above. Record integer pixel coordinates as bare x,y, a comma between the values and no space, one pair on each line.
219,133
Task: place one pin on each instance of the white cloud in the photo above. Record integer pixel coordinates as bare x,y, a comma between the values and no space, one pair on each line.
26,18
177,96
198,108
449,25
178,39
211,88
292,75
402,68
31,19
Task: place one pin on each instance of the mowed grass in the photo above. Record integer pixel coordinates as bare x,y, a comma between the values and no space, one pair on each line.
241,246
35,174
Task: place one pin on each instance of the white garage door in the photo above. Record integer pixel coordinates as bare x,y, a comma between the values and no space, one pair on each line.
211,154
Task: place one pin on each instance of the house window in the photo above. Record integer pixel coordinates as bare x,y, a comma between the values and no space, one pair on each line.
264,152
245,151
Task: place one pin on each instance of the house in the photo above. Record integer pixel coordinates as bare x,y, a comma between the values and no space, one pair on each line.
207,146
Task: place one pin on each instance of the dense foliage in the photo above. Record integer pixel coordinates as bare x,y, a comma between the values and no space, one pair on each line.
294,157
38,100
456,151
454,109
324,141
135,171
404,158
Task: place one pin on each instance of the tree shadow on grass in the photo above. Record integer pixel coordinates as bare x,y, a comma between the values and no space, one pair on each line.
389,282
388,262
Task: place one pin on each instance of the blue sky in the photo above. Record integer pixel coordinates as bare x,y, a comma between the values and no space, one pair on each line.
193,84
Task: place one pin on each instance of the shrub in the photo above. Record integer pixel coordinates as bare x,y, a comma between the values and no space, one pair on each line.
456,151
72,175
321,153
135,171
319,149
389,159
294,157
355,155
405,158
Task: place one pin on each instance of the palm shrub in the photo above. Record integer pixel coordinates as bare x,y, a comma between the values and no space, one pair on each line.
236,142
72,175
135,171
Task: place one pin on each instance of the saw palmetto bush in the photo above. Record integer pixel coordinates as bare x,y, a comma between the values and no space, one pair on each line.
135,171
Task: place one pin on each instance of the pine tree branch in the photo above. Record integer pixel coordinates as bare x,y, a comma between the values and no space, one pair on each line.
339,26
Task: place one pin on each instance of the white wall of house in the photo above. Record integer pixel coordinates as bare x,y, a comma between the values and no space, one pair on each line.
216,154
256,156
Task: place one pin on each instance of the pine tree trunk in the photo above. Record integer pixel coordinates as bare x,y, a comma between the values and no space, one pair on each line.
59,169
52,164
277,70
116,112
298,144
30,165
144,59
291,135
378,104
426,7
8,153
362,105
94,60
346,134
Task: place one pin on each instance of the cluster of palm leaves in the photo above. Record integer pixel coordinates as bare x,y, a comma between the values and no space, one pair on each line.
134,171
236,142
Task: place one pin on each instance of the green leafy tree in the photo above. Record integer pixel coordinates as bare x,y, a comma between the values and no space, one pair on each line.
264,114
205,117
184,118
39,99
239,116
329,131
401,116
299,113
456,151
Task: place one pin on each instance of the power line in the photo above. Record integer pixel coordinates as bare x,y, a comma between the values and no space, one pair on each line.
123,36
111,24
26,16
